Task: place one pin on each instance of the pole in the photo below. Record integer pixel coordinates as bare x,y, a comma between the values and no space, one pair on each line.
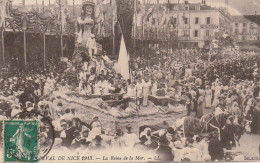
50,5
157,13
74,8
43,6
168,30
44,50
61,30
36,5
3,46
61,42
24,43
113,28
135,24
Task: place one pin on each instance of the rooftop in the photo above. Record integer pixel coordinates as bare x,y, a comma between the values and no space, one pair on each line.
247,18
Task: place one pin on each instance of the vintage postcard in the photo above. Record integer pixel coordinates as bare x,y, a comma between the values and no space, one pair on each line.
129,81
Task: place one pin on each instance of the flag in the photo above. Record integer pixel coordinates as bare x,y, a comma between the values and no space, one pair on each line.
123,60
3,14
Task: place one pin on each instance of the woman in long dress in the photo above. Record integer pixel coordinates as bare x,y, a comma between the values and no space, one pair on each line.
208,97
146,90
201,105
18,138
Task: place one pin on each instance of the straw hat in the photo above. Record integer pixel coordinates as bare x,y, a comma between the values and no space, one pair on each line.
178,144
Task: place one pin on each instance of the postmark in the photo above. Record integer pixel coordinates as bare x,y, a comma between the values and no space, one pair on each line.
28,137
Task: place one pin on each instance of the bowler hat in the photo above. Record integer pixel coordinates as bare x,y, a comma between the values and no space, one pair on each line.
163,141
143,138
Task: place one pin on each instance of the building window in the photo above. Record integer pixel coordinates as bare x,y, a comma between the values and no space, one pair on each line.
207,33
208,20
196,20
243,31
236,31
196,33
243,38
185,33
174,20
236,24
244,24
186,8
185,20
258,38
153,21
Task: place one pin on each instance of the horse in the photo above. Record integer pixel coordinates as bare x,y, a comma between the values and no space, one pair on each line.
211,123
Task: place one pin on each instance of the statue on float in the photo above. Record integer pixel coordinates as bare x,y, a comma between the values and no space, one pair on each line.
85,22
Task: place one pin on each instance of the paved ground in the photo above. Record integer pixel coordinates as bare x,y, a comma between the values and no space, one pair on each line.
249,145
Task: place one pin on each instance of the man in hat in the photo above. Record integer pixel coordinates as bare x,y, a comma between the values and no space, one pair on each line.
164,151
141,145
100,65
96,124
178,151
92,45
98,145
191,151
215,148
130,138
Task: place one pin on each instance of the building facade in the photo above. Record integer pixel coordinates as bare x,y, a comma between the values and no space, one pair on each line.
193,23
246,28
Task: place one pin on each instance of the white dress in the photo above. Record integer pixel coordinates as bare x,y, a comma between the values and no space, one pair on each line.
146,91
208,96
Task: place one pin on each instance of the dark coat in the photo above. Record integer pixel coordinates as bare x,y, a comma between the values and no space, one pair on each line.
216,150
165,153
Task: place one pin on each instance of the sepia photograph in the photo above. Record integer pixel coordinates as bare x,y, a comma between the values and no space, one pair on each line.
129,81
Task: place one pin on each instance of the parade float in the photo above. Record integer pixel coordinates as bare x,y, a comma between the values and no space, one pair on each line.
93,21
52,35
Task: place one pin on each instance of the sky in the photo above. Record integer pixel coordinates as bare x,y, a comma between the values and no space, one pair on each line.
236,7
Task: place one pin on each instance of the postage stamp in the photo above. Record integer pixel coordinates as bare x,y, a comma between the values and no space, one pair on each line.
21,141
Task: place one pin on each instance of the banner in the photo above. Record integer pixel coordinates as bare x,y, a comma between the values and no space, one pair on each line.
123,60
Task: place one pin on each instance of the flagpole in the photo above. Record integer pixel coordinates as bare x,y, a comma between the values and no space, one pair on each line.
74,8
24,40
157,8
36,5
3,46
44,50
61,36
113,29
135,15
43,9
168,30
61,42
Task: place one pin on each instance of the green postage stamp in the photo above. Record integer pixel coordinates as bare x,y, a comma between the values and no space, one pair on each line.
21,141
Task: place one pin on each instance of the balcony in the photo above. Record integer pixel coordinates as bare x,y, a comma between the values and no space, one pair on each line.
184,38
207,37
162,34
